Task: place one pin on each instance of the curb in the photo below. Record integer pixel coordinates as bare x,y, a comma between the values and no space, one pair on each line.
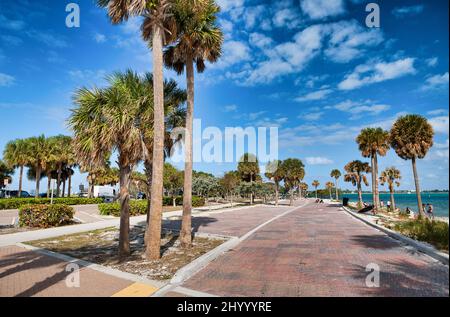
428,250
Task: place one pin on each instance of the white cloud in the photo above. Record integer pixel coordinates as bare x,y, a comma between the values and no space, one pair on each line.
99,38
313,116
319,9
318,160
233,52
260,40
357,109
433,61
436,81
315,95
401,12
227,5
440,124
437,112
348,40
10,24
230,108
378,72
6,80
286,17
50,39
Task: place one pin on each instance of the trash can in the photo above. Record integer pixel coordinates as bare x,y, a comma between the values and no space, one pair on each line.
345,201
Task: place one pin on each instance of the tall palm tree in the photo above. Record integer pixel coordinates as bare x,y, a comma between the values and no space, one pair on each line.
303,188
248,168
275,172
411,137
294,172
336,174
391,176
315,184
15,155
373,142
158,28
62,149
356,171
40,153
199,39
330,186
104,121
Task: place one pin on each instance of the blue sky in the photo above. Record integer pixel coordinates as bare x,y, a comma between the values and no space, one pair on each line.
311,67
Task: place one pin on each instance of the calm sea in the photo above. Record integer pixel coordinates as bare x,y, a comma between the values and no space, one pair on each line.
438,200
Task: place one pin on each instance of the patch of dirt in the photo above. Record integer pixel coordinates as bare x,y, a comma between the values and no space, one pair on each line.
13,229
100,246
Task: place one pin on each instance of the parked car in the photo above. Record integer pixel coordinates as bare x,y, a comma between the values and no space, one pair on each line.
5,193
141,195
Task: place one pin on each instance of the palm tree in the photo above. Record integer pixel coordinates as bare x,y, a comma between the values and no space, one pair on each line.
5,174
411,138
199,39
294,172
15,155
62,149
275,172
159,28
330,186
105,121
336,174
315,184
391,176
356,171
248,168
40,153
304,188
373,142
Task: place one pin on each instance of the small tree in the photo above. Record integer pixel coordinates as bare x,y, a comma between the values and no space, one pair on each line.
336,174
173,181
391,177
330,186
315,184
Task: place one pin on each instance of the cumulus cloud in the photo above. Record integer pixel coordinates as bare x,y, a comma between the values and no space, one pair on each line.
440,124
230,108
6,80
433,61
319,9
318,160
401,12
436,81
11,24
315,95
99,38
378,72
356,109
233,52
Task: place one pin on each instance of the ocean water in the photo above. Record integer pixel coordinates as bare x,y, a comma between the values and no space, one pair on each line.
438,200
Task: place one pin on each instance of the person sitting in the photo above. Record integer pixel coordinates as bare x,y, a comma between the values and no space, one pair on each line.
430,211
408,211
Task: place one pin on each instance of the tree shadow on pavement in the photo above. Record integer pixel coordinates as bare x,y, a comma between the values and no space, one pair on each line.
404,278
197,223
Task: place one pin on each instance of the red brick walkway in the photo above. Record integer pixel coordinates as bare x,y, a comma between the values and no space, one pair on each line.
320,251
28,273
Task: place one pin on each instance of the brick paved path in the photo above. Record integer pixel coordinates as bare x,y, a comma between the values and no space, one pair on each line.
319,250
28,273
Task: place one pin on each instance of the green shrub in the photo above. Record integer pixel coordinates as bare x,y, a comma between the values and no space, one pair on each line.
139,207
15,203
45,216
432,232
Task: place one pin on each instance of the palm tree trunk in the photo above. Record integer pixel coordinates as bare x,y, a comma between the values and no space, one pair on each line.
392,199
124,197
316,193
374,197
69,187
148,173
20,180
153,233
186,225
251,189
49,184
63,188
331,197
377,191
337,190
416,182
360,200
59,180
291,197
38,179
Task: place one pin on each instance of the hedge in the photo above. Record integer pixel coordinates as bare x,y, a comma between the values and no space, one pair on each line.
45,216
15,203
139,207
